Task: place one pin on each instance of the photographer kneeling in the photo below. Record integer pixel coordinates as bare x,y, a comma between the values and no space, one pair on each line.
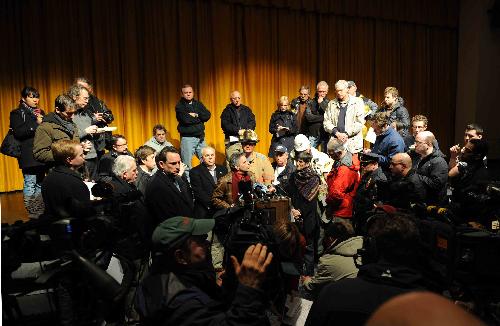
182,289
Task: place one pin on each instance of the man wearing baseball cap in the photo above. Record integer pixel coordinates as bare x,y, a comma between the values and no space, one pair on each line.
283,169
181,288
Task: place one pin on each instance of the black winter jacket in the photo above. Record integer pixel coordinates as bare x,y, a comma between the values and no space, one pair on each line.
404,191
231,124
315,114
163,299
191,126
65,194
432,170
284,119
23,124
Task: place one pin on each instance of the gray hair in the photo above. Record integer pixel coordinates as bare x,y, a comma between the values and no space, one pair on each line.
122,164
75,90
207,148
235,160
322,83
341,84
335,145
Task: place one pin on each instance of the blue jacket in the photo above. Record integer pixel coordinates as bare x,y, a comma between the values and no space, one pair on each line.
388,144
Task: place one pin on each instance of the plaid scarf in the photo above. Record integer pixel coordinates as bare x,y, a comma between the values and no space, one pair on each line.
307,181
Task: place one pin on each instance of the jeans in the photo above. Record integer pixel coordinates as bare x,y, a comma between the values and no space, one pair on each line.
32,192
190,146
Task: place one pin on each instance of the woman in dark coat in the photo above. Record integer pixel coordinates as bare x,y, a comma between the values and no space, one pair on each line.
303,190
283,126
23,121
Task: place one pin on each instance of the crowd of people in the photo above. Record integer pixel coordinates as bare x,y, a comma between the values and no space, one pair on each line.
346,195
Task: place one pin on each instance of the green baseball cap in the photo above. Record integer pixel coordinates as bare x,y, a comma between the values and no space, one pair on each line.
169,233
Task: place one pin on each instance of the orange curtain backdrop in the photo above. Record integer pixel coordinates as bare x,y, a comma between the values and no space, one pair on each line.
139,53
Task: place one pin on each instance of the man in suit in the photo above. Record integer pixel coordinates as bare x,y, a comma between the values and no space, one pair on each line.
168,194
203,179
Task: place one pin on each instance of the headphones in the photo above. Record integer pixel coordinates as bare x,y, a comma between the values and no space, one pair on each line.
369,253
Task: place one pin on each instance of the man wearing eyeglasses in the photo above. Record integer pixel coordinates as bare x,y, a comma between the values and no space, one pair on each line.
119,147
168,193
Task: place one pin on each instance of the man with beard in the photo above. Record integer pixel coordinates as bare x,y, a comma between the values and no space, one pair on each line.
181,288
303,190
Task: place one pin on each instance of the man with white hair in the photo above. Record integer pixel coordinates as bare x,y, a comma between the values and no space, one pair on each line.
124,174
344,118
431,168
343,181
203,179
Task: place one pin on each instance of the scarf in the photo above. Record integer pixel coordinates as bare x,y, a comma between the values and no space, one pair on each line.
237,177
307,182
68,125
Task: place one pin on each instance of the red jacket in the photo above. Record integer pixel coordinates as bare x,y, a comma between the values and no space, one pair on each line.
342,183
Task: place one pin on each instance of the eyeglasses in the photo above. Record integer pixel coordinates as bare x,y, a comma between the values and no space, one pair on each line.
121,145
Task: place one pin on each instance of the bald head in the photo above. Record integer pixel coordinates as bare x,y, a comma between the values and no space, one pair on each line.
400,164
421,308
424,143
235,98
426,136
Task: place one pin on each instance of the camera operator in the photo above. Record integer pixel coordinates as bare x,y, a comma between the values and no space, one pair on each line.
389,259
63,190
181,288
469,177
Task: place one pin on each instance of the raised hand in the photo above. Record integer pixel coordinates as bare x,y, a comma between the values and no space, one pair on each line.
252,270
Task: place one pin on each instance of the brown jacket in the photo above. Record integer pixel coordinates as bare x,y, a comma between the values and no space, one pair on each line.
261,167
223,192
48,132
